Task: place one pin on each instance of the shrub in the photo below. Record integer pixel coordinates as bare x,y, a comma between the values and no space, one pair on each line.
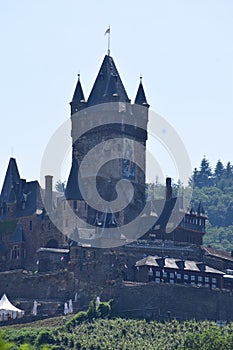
44,337
104,309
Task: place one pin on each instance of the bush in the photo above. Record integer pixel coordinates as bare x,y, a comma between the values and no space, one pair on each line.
57,347
44,337
104,309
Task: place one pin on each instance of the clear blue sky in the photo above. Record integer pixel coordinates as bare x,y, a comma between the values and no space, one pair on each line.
183,49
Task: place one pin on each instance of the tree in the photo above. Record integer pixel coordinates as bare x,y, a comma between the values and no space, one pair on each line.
60,186
219,170
205,173
203,177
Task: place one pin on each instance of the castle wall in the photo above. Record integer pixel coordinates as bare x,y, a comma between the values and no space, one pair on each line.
182,302
130,299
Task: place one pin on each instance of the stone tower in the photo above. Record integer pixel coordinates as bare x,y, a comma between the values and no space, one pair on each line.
118,129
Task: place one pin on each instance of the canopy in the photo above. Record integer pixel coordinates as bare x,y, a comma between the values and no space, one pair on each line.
8,310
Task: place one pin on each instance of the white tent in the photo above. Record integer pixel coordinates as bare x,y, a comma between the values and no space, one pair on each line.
7,310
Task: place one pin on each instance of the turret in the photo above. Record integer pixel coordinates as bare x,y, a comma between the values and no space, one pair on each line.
140,98
78,100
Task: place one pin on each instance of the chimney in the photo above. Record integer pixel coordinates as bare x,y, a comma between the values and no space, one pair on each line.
168,188
48,192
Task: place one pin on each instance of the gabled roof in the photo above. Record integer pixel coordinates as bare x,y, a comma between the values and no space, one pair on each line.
140,98
72,191
108,85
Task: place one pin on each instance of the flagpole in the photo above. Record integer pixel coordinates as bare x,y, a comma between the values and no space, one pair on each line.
108,32
109,41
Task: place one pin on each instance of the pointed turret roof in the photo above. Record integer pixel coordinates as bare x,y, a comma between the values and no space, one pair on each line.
72,191
140,98
78,93
200,209
108,85
78,100
11,179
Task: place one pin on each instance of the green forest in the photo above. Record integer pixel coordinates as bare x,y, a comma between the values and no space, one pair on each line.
214,188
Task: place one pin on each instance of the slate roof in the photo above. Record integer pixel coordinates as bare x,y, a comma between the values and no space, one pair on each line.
140,98
19,191
11,179
108,86
78,93
217,253
164,207
200,210
172,263
72,191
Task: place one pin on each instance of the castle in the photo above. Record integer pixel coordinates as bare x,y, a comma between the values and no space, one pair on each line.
84,240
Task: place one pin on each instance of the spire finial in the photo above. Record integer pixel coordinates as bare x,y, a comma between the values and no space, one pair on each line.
78,76
108,32
140,78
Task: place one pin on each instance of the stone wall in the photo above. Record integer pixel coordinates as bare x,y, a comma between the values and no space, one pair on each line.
157,301
130,299
22,284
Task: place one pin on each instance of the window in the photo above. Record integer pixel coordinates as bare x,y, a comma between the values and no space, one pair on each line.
172,281
207,279
200,278
171,274
164,274
186,277
157,280
178,276
157,273
214,280
15,252
74,205
192,278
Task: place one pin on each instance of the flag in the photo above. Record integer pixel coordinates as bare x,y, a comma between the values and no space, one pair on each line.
107,31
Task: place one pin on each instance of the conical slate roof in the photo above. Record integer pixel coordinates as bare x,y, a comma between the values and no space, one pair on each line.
78,100
140,98
108,85
11,179
78,93
72,191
